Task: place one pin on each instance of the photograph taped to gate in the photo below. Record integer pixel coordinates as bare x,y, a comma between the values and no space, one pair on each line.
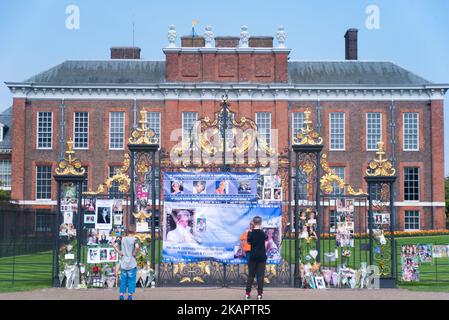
90,204
93,255
179,226
118,219
104,214
69,191
89,218
68,217
117,207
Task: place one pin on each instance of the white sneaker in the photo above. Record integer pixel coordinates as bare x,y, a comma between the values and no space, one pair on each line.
259,297
247,297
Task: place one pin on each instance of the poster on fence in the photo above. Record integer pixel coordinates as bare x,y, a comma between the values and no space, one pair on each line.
207,187
440,251
209,227
272,188
410,263
425,253
345,223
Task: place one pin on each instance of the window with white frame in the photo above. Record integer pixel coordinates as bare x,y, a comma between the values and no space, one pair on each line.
154,122
188,121
44,130
5,174
116,130
340,172
43,182
337,131
411,184
373,130
263,122
298,119
2,127
411,131
81,130
411,218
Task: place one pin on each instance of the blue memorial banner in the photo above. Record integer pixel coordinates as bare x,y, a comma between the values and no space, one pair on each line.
210,187
200,231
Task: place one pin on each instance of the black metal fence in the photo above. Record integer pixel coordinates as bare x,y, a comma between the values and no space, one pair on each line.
429,270
27,243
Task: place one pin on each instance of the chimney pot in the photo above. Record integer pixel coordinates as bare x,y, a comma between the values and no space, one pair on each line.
351,44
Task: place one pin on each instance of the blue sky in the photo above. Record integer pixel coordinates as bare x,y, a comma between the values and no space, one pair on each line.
34,37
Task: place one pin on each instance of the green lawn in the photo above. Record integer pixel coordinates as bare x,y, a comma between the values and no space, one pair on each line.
30,272
33,271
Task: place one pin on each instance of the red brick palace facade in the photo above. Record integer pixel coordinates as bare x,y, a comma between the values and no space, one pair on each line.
354,104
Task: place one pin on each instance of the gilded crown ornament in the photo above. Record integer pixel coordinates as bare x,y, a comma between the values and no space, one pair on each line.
143,135
308,135
141,215
380,166
206,138
70,165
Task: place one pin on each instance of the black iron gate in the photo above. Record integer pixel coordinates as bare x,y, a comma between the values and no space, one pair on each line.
235,157
312,204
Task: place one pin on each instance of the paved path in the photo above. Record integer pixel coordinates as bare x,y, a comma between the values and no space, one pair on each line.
226,294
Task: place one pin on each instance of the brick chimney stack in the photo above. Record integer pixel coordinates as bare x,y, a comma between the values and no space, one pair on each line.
193,41
351,44
125,53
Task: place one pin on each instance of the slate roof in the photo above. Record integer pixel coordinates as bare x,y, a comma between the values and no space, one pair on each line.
6,119
123,72
351,73
103,72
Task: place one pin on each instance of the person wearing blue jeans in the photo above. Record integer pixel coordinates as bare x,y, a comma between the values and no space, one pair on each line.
127,250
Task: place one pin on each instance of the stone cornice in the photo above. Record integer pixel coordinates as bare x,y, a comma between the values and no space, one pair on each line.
225,50
237,91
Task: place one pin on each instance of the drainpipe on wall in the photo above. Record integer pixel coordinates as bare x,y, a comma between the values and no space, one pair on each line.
432,213
135,114
62,126
318,114
393,148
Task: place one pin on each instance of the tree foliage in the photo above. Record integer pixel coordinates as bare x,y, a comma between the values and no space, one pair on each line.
4,195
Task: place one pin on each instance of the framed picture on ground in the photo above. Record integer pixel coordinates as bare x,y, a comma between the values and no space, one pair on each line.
320,284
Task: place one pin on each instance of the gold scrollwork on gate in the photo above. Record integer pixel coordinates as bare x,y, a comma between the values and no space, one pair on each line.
70,165
120,176
308,135
142,134
192,272
329,178
206,139
380,166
